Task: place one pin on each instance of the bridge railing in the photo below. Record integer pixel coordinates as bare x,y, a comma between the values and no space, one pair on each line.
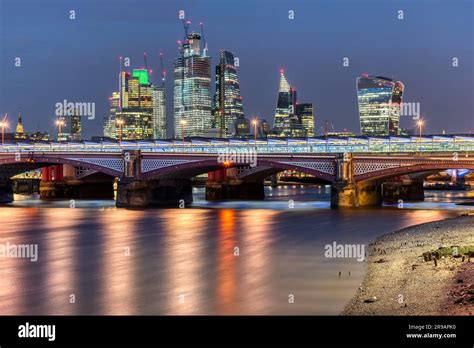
310,145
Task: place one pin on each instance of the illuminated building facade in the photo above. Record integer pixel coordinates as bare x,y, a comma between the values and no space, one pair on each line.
305,114
291,119
285,109
379,100
192,103
71,129
227,100
109,122
20,132
159,112
133,106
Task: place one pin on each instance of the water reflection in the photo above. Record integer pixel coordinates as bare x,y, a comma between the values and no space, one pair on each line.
119,255
255,256
184,238
228,252
183,261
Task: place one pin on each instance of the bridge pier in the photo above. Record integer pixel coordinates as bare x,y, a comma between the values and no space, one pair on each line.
405,191
133,193
354,195
224,184
234,189
6,191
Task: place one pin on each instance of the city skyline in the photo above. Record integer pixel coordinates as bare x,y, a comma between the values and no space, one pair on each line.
320,78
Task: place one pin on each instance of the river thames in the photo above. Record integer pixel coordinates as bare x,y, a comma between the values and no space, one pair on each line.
223,258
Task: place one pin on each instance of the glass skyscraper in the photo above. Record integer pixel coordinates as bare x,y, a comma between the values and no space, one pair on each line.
192,100
227,100
291,119
305,114
285,109
159,112
379,100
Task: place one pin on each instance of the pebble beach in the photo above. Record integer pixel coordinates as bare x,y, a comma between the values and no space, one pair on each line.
426,269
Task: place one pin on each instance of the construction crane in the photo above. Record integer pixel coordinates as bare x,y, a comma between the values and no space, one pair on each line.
163,72
204,43
186,25
144,59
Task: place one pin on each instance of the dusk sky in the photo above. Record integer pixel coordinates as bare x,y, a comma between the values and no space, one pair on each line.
77,59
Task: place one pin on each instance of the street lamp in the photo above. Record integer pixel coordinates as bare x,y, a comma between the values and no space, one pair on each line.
183,124
60,123
420,126
120,123
3,125
254,123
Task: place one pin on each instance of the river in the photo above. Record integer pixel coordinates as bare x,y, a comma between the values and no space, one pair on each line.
264,257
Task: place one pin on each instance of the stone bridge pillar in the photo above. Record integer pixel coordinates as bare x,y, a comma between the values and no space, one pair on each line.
346,193
225,184
133,192
407,190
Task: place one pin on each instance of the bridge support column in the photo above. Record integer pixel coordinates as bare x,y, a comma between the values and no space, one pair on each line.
132,193
405,191
6,191
353,195
234,189
224,184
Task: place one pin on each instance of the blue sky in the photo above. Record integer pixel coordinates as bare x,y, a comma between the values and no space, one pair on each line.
78,59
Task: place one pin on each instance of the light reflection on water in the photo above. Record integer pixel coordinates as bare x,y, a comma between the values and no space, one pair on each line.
183,261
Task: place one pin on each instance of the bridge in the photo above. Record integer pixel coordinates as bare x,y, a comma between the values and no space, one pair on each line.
361,171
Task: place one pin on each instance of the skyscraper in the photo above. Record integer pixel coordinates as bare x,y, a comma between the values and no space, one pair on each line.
192,89
379,100
285,109
133,106
159,112
291,119
305,114
110,121
227,100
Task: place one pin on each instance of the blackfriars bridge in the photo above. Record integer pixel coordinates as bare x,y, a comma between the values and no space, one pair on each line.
361,171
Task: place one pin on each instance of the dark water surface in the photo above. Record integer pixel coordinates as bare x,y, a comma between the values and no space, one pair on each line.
182,261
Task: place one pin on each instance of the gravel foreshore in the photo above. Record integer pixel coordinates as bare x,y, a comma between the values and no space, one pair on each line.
404,278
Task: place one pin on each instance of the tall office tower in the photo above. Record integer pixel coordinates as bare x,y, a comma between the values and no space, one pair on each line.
379,101
305,114
285,114
110,121
192,89
159,112
133,107
227,100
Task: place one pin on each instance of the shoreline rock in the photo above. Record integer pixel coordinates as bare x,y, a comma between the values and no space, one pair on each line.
411,272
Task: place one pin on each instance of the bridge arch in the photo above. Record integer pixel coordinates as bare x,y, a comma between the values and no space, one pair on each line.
13,165
387,173
181,168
